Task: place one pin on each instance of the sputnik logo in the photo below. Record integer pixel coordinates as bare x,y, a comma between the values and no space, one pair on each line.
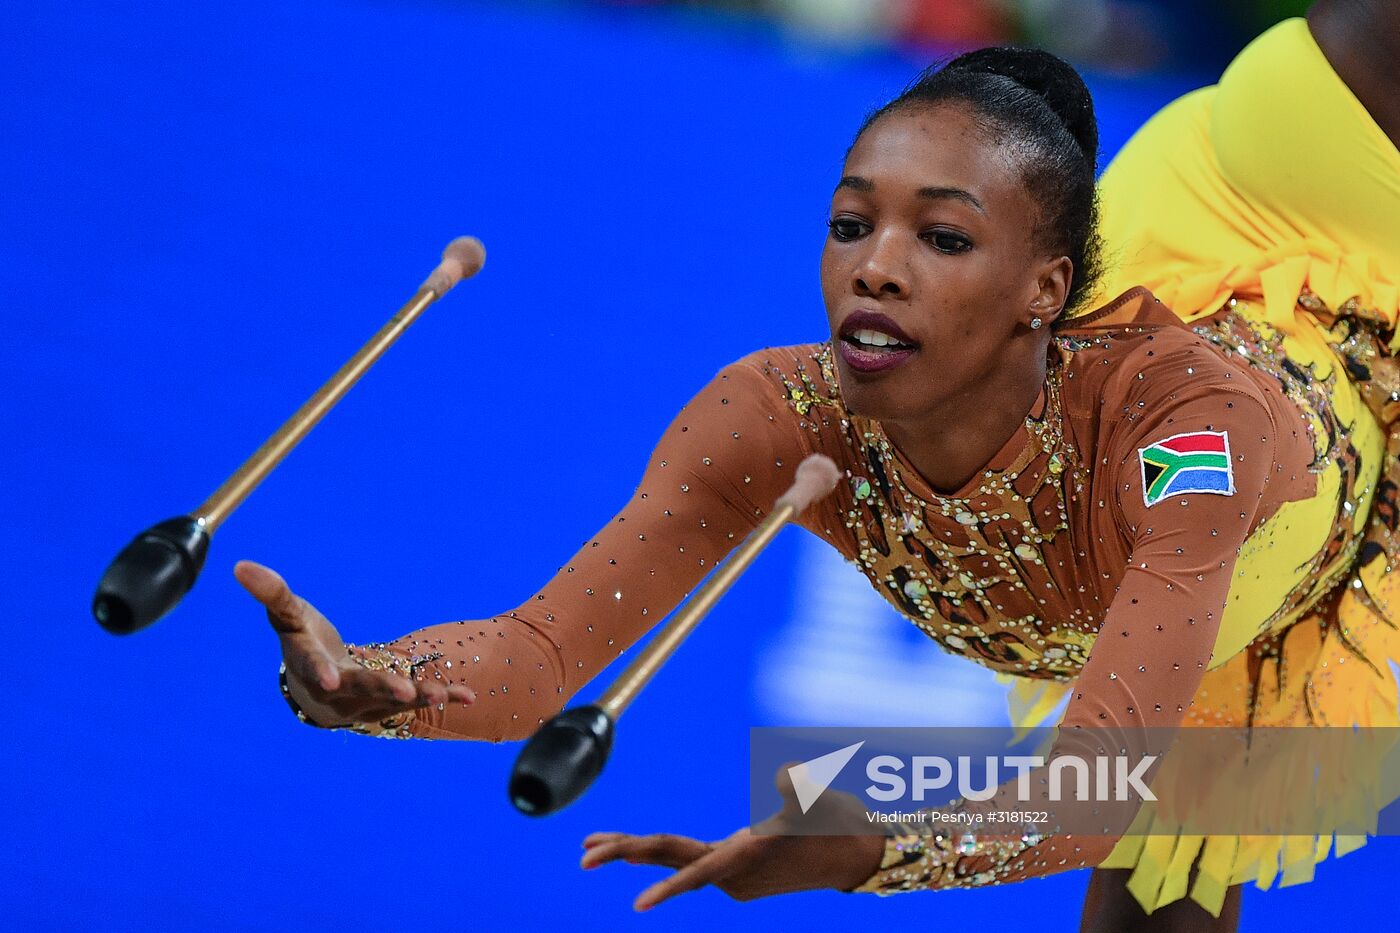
811,778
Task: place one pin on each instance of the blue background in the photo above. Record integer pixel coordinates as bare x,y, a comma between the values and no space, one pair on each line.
206,208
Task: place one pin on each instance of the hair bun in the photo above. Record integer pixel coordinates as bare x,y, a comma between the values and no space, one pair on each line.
1050,77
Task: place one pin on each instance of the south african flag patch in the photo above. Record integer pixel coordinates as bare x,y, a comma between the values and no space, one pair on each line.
1195,462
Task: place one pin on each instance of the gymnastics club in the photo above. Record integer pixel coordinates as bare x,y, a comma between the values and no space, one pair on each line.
159,566
567,753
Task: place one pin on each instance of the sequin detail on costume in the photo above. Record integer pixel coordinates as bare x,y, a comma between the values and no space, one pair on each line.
969,570
1045,565
1238,330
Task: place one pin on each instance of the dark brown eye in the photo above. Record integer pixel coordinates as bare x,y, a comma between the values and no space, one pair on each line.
946,241
845,229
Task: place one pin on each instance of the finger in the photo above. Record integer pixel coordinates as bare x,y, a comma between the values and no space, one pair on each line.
309,663
393,686
606,850
415,692
592,839
350,697
384,692
438,693
460,693
430,694
284,608
369,694
663,849
713,867
381,687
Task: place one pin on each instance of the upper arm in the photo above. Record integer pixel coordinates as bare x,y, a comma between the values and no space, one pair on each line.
714,474
1191,482
711,478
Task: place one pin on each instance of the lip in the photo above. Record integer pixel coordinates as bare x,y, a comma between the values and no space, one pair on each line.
872,361
864,319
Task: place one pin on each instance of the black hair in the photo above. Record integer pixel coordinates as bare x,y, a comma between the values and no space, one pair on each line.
1038,104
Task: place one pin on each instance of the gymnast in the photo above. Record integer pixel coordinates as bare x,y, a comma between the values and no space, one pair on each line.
1166,488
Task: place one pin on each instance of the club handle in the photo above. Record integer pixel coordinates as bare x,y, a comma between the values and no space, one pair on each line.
150,575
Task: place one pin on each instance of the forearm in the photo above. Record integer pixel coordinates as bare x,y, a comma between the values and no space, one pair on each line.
1128,703
513,666
715,472
916,860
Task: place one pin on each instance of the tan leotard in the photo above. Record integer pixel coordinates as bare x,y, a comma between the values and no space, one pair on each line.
1097,548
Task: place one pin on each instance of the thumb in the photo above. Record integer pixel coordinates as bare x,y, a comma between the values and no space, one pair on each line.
268,588
784,782
832,812
790,813
305,657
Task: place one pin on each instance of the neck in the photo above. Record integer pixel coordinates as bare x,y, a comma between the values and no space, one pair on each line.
956,440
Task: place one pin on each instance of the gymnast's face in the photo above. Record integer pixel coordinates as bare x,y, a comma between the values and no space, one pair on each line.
931,272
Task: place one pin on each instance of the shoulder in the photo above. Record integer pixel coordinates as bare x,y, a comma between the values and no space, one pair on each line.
738,440
787,367
763,398
1163,412
798,378
1134,358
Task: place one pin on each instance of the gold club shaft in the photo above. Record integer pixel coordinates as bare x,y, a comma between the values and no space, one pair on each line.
623,690
256,468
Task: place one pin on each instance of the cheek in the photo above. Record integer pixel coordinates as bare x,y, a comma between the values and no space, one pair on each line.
832,276
826,267
969,311
975,292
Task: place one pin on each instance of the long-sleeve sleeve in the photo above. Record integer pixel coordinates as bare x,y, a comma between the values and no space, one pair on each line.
716,471
1192,479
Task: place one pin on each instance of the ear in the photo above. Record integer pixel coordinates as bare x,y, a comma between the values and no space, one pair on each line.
1052,282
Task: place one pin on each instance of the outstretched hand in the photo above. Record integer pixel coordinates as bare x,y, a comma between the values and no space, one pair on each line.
753,863
322,676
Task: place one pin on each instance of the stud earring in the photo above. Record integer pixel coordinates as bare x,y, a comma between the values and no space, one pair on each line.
1035,323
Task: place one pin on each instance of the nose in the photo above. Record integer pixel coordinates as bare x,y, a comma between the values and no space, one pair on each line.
883,270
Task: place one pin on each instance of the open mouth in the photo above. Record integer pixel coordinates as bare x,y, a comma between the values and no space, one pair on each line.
867,351
874,341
